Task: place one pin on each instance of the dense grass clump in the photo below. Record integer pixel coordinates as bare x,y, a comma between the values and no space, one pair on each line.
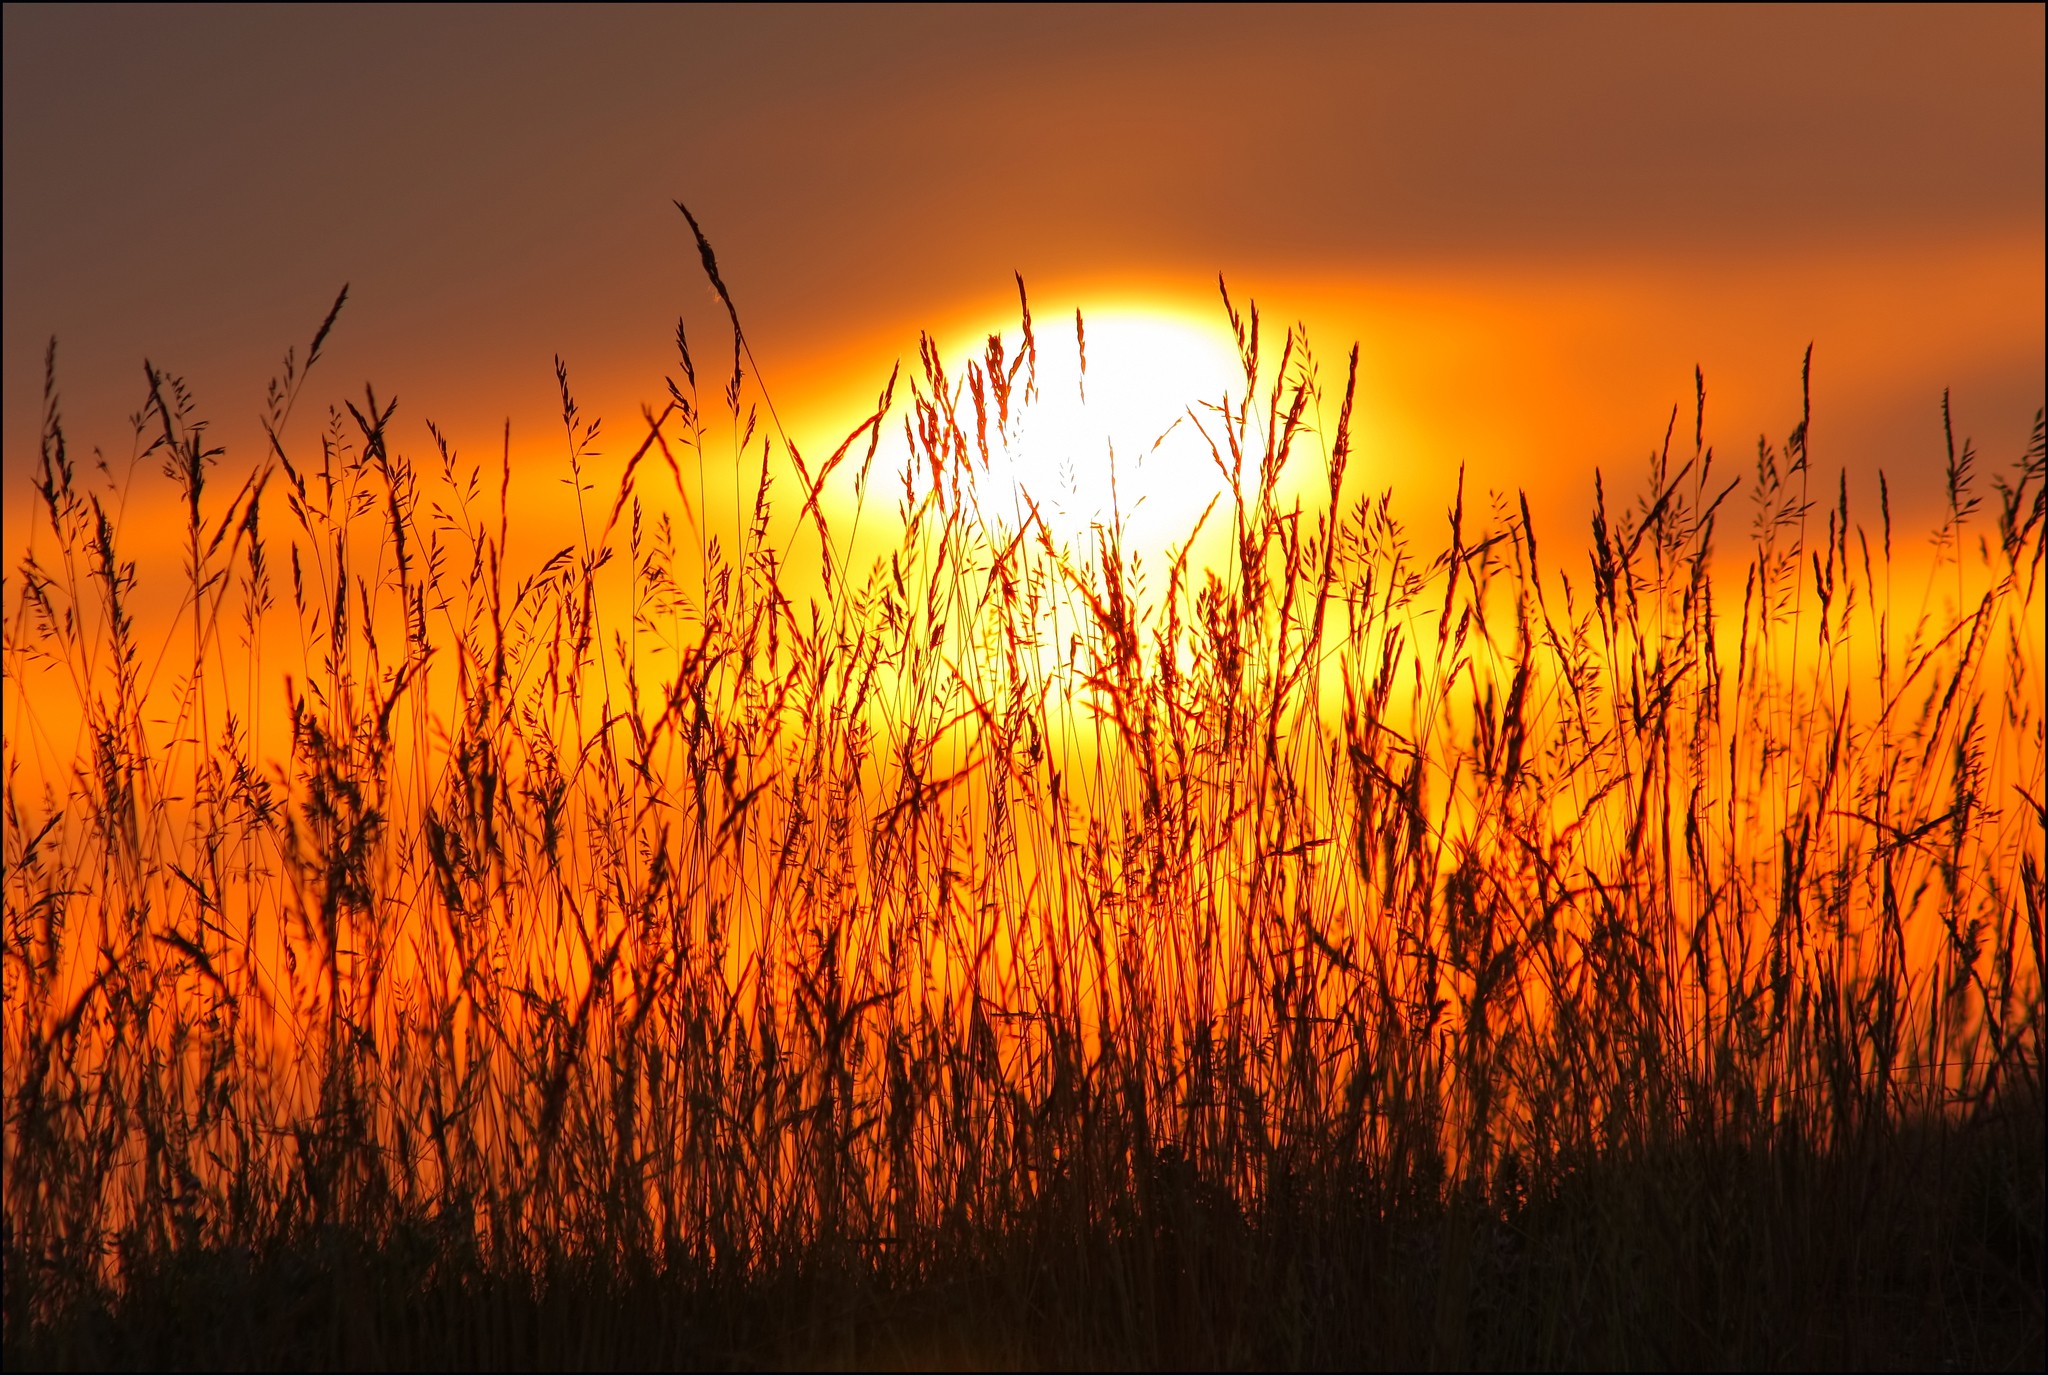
906,937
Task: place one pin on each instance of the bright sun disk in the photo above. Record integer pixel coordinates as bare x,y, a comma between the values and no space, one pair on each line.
1121,440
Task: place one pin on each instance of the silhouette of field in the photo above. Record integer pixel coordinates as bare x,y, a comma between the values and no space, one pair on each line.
914,939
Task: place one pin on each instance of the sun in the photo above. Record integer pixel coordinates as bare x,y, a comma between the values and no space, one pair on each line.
1114,435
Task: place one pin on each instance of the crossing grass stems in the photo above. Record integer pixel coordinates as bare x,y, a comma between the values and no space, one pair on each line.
887,935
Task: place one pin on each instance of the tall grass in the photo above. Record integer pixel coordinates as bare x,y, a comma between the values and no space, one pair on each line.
901,936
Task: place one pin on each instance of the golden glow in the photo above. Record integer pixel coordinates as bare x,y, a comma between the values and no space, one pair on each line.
1367,789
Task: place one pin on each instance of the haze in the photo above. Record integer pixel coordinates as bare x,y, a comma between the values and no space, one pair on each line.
1537,220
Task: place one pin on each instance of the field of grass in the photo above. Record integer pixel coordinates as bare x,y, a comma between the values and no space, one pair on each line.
909,939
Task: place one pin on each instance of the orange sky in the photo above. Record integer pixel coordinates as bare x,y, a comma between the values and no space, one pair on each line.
1534,221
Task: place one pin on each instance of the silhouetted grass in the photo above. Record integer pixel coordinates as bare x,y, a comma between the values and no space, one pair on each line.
724,944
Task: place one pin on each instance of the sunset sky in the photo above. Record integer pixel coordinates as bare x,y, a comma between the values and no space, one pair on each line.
1535,221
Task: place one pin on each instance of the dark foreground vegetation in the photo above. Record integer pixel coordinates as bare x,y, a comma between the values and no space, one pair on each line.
1914,1251
857,929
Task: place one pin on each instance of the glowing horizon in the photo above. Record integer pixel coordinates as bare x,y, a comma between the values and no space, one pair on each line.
1242,682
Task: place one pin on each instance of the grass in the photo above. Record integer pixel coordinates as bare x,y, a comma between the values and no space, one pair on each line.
860,931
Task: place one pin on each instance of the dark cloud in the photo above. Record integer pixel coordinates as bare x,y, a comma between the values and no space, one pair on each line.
194,183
